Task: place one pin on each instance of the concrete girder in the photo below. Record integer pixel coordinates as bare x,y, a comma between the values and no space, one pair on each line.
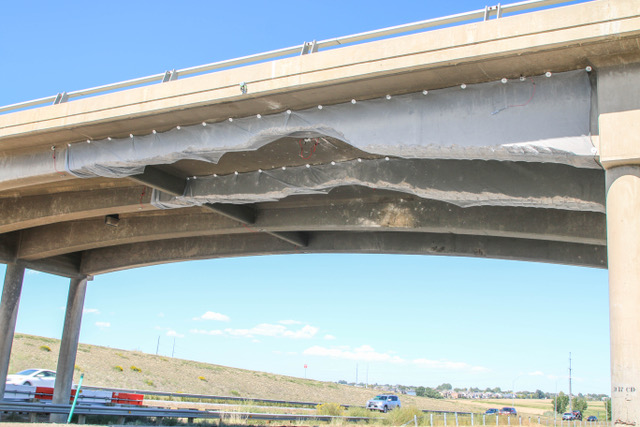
245,214
67,265
123,257
417,216
461,182
31,211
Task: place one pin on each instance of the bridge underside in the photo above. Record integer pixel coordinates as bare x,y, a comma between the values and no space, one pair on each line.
499,170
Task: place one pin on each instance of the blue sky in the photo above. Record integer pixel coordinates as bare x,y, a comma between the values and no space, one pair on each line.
419,320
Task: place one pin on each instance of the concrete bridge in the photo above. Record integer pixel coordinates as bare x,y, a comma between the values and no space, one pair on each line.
513,138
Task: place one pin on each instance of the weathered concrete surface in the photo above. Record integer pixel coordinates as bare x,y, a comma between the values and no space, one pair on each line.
150,253
411,216
69,345
620,155
623,231
11,291
619,138
32,211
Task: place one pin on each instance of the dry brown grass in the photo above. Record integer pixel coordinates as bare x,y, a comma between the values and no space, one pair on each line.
177,375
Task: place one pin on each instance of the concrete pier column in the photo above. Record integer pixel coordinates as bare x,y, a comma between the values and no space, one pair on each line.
69,346
623,242
8,313
620,155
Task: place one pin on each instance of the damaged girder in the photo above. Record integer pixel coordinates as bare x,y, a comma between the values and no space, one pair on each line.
171,184
406,215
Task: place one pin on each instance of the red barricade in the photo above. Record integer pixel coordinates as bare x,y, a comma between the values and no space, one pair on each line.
127,399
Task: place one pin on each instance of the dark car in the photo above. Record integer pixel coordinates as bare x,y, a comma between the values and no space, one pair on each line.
491,411
507,410
592,418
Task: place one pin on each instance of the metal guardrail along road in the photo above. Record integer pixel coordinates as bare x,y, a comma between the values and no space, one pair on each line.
306,48
128,411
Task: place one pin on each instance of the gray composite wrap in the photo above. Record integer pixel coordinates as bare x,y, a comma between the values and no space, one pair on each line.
538,119
463,183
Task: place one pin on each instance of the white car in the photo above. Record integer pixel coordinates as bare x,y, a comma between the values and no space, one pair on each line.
36,377
383,403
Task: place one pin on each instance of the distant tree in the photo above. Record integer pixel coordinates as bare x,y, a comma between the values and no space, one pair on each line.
428,392
579,404
497,390
539,394
560,402
444,387
342,382
458,389
607,405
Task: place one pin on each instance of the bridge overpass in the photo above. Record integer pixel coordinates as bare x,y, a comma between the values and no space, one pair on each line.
513,138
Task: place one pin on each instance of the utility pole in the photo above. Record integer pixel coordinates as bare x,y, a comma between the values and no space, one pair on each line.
158,345
570,402
367,386
174,347
356,374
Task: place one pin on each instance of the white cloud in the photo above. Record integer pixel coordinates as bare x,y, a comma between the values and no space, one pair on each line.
90,311
263,330
364,353
304,333
290,322
172,333
448,365
329,337
210,315
103,325
204,332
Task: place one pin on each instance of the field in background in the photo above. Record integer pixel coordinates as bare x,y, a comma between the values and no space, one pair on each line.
537,407
107,367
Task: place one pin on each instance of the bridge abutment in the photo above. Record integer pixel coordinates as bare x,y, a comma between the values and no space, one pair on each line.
13,279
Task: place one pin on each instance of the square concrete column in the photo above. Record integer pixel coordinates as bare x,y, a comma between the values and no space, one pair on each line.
69,346
8,313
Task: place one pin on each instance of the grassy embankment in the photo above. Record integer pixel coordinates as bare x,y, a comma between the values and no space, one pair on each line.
107,367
